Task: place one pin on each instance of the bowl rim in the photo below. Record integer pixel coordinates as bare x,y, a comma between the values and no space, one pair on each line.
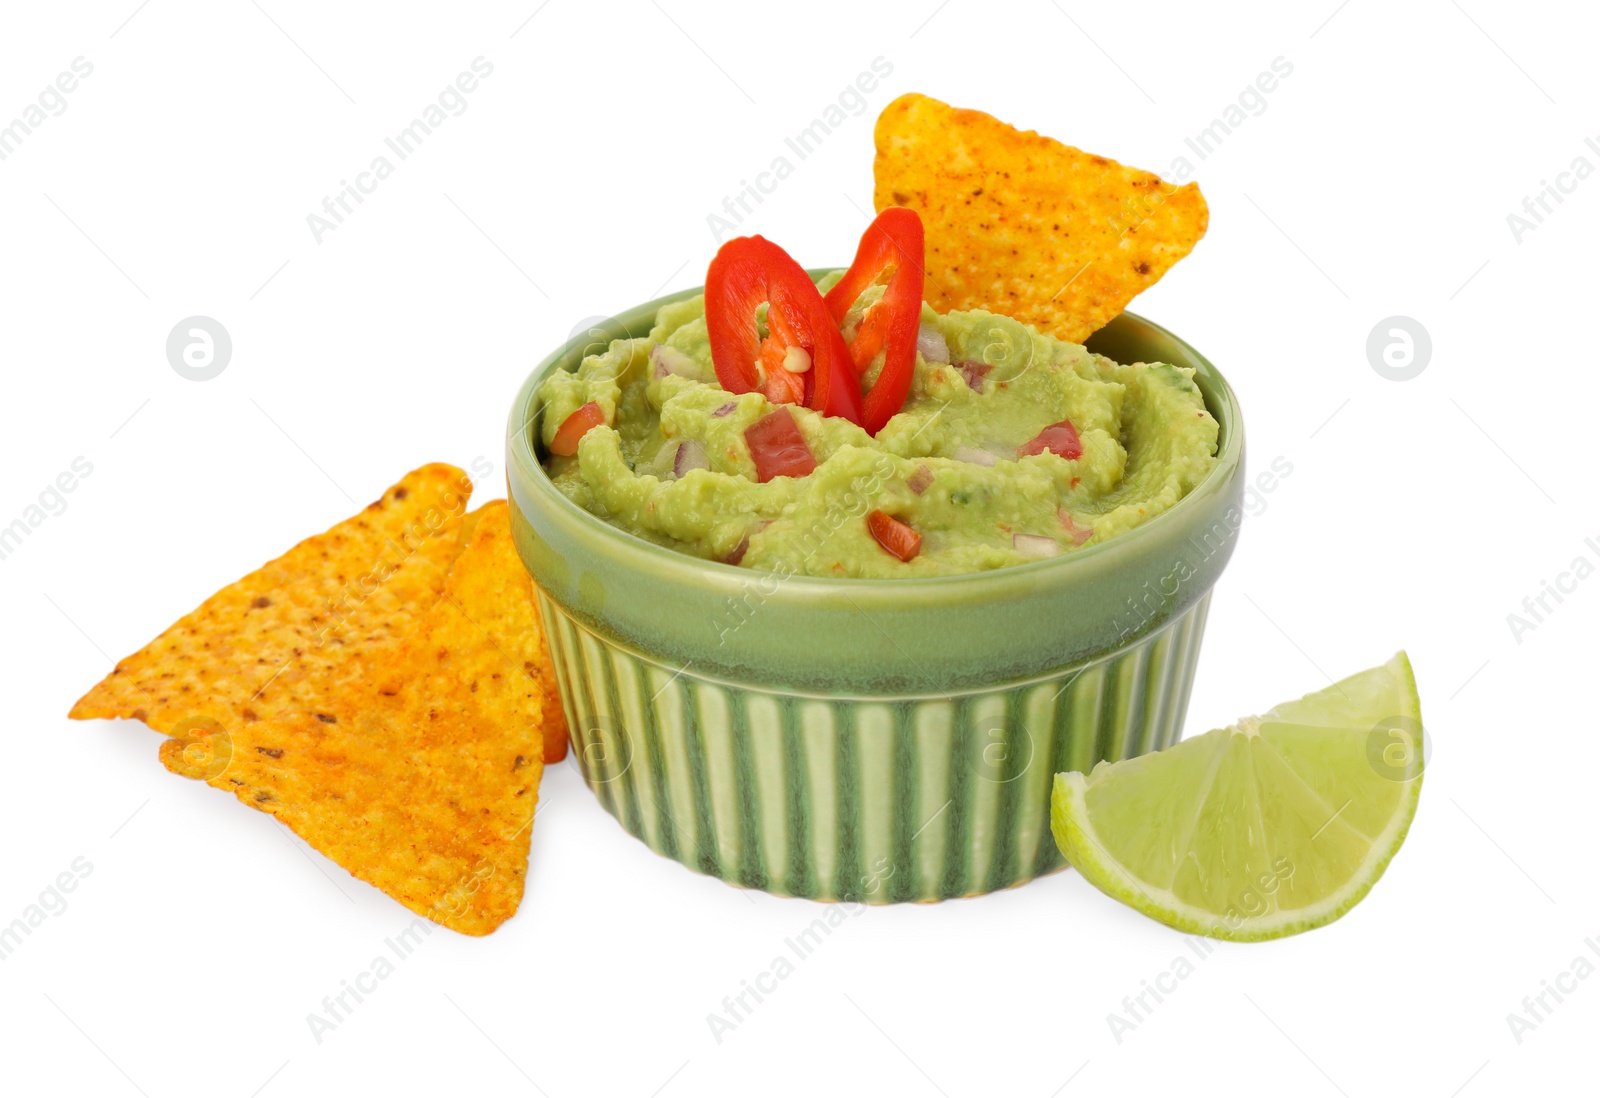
523,460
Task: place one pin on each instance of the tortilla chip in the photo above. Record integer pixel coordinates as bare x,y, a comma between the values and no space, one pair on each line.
518,633
423,780
506,658
1023,225
556,733
328,613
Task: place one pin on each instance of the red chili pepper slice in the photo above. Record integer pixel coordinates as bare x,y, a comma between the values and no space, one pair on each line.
1059,438
896,538
778,448
780,385
870,337
574,427
894,241
746,272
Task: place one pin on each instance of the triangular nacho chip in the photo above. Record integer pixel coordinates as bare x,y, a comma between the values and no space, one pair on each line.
512,658
423,779
325,614
1022,225
504,653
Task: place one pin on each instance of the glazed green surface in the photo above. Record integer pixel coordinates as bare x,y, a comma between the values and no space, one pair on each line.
1147,438
862,800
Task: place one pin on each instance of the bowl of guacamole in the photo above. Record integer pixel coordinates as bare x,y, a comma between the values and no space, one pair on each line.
1012,447
826,663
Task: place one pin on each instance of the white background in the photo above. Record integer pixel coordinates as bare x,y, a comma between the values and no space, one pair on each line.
1419,514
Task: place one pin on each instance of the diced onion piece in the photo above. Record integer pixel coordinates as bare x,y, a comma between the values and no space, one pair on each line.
574,427
931,345
661,465
1035,545
724,409
736,554
1059,438
1078,534
691,455
975,372
666,360
895,537
920,481
975,456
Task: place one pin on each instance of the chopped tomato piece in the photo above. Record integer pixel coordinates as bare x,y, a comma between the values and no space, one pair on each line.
746,272
778,448
893,242
896,538
1059,438
574,427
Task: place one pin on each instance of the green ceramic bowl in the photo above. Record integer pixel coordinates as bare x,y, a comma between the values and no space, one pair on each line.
866,740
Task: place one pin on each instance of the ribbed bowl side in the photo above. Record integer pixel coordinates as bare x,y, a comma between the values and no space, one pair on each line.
874,800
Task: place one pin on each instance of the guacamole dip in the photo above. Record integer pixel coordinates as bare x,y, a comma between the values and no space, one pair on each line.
961,464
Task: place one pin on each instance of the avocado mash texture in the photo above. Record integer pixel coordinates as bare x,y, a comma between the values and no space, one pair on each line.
674,466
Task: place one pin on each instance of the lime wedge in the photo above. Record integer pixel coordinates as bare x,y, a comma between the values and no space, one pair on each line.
1274,826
